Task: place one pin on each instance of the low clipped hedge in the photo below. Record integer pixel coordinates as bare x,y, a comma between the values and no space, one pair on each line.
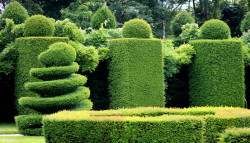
145,124
236,135
29,48
217,74
29,124
136,73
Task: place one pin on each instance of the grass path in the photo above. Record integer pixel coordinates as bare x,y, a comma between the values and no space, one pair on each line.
8,128
22,139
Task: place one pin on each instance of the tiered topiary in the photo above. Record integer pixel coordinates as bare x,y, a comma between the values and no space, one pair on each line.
179,20
59,89
38,25
136,69
215,29
217,71
245,24
103,16
16,12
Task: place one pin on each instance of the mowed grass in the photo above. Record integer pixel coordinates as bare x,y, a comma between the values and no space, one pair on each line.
8,128
22,139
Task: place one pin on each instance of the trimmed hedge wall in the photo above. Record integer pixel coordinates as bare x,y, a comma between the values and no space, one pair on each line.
136,73
29,48
138,125
236,135
217,74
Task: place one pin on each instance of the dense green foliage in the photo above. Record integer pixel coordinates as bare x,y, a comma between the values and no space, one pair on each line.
68,29
29,49
58,54
103,17
136,28
236,135
179,20
190,32
16,12
245,24
215,29
6,35
217,74
136,73
147,123
38,25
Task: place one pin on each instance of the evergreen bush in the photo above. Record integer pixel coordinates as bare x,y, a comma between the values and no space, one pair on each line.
236,135
179,20
136,28
38,25
245,24
16,12
215,29
103,16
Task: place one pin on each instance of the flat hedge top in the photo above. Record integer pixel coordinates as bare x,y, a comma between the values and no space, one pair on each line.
213,41
143,113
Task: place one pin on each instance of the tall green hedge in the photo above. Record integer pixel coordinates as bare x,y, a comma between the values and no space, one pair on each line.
136,73
29,48
236,135
217,74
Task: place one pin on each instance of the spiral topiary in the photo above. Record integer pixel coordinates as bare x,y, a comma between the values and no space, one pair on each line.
16,12
245,24
38,25
179,20
136,28
215,29
103,16
59,87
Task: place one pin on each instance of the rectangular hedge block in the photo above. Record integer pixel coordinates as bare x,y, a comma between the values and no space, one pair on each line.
236,135
29,48
217,73
136,73
145,124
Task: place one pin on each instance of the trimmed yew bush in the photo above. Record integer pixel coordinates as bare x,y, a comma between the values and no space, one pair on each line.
103,16
38,25
215,29
236,135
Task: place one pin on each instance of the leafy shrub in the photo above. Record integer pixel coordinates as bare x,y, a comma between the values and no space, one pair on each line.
190,31
245,24
179,20
104,54
66,28
98,38
215,29
38,25
58,54
136,28
18,30
217,73
103,16
29,48
86,57
134,80
235,135
246,37
16,12
6,36
185,53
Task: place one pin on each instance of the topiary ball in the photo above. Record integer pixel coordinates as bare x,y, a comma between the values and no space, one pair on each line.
136,28
214,29
103,16
58,54
245,24
16,12
39,25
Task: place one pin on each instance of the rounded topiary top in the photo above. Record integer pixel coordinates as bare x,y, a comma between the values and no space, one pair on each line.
39,25
103,14
58,54
179,20
16,12
245,24
136,28
214,29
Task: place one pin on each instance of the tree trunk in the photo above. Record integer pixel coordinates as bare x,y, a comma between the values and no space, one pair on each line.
163,30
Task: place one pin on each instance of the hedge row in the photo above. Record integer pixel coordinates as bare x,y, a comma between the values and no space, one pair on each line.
136,73
236,135
138,125
217,74
29,48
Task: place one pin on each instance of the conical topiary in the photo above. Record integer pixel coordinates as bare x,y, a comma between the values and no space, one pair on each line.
59,87
103,16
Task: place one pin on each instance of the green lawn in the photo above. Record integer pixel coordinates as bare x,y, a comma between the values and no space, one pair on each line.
22,139
8,128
